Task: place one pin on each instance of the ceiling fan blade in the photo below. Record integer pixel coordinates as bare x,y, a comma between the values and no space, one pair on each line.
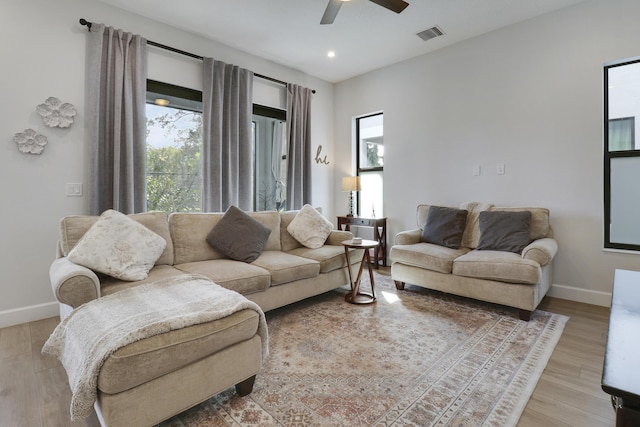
331,11
396,6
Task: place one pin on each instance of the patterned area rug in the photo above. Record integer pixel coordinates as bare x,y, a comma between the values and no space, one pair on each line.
414,358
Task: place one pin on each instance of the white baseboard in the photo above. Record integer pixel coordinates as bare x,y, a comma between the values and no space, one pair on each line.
28,314
580,295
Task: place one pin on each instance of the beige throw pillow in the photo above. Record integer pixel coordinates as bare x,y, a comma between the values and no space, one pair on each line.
310,228
118,246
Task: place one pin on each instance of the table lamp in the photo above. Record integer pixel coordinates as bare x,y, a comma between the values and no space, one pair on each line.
351,184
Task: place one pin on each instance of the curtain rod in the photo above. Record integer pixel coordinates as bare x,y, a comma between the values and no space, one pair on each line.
191,55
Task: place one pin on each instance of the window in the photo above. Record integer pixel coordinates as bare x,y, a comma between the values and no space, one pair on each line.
621,155
174,151
370,161
270,150
174,148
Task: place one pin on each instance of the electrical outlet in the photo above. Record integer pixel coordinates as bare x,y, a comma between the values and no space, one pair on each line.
500,168
476,170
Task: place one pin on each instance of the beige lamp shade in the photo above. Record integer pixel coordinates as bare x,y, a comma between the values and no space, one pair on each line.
351,183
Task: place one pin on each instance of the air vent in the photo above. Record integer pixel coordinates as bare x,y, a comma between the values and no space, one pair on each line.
430,33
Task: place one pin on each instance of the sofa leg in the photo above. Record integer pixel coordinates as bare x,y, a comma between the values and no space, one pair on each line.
245,387
524,314
399,285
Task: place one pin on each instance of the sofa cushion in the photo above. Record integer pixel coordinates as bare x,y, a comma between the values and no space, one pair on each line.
444,226
287,241
73,227
119,247
270,219
504,231
285,268
152,357
235,275
330,257
497,265
471,235
189,231
238,236
426,255
310,228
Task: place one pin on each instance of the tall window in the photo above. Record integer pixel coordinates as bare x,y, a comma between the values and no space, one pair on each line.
174,151
370,161
621,155
174,148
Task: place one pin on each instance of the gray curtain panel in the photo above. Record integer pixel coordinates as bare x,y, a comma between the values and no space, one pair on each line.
299,157
226,136
116,80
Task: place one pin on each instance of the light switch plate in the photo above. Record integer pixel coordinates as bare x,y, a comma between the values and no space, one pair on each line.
476,170
74,189
500,168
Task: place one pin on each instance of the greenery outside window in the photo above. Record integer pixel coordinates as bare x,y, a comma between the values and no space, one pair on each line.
174,148
370,161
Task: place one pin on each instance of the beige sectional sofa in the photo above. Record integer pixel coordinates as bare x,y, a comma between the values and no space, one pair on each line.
517,280
152,379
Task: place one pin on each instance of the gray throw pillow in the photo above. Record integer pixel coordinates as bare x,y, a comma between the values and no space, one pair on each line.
504,231
238,236
445,226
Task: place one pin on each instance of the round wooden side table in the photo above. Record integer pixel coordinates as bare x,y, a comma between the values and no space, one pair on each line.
357,296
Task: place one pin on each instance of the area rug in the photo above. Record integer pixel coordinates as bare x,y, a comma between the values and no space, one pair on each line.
414,358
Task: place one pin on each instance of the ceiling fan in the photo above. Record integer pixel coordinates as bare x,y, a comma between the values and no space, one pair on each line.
333,7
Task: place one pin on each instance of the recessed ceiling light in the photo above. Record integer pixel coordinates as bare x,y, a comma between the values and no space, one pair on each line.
162,102
331,54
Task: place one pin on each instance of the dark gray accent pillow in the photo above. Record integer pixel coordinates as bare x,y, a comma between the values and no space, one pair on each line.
504,231
444,226
238,236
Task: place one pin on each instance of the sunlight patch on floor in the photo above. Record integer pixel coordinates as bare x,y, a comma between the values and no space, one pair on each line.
390,297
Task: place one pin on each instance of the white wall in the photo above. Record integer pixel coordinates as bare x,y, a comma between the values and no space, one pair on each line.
528,96
43,54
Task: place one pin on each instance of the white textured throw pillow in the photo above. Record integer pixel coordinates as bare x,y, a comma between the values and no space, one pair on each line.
310,228
118,246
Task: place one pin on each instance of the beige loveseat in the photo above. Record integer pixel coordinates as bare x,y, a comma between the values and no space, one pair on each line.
153,379
517,280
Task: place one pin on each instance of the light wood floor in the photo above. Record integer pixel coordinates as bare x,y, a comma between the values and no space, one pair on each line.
34,390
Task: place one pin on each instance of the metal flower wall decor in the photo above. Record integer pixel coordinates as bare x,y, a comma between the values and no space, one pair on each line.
30,141
56,114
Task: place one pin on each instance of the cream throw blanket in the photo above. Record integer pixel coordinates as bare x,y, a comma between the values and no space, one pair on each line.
93,331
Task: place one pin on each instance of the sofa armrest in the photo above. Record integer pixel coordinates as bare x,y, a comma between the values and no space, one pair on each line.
542,250
338,236
73,284
408,237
